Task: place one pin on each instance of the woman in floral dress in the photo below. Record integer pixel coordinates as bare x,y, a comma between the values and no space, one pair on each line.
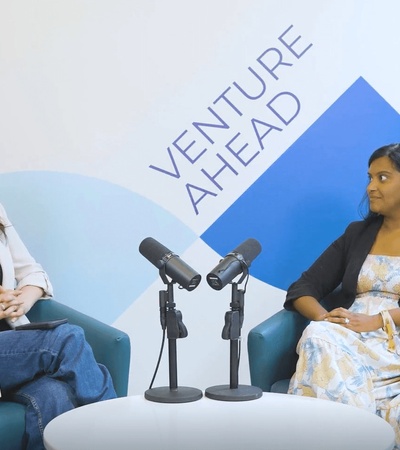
352,353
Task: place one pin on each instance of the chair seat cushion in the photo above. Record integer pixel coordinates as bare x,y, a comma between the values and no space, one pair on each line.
12,425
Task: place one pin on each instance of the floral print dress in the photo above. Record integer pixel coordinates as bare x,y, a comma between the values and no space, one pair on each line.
359,369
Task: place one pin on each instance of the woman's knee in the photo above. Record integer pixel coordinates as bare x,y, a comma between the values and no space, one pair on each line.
46,392
66,335
315,329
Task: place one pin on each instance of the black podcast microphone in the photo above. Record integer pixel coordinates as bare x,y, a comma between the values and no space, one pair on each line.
233,264
163,258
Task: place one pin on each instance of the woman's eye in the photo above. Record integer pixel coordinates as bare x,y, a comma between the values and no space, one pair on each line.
383,177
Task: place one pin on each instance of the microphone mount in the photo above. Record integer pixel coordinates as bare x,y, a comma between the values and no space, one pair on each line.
232,332
171,321
245,268
162,270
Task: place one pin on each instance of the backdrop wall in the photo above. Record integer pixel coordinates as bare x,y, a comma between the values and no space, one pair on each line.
200,125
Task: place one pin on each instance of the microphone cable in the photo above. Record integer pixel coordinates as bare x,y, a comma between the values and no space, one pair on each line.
159,359
240,340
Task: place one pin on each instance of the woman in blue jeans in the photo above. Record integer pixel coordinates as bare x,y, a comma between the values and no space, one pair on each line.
49,371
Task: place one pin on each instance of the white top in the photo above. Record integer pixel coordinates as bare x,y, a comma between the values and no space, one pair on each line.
273,422
19,267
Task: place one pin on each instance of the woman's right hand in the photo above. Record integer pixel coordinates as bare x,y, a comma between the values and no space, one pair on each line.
9,302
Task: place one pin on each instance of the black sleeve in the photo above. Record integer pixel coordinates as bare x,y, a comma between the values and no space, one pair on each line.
324,275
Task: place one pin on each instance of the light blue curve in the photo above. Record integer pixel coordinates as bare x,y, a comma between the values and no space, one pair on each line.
86,233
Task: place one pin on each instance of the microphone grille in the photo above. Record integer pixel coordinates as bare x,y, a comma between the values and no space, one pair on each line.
249,249
152,250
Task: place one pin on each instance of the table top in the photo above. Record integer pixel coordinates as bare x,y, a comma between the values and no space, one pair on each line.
273,422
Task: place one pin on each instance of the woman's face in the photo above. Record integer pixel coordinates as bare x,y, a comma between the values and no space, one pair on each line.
384,187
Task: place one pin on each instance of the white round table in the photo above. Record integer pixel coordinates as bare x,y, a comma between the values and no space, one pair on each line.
272,422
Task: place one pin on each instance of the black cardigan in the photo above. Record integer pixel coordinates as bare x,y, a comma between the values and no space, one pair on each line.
339,264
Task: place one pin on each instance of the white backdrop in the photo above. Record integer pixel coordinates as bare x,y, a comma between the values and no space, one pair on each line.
101,102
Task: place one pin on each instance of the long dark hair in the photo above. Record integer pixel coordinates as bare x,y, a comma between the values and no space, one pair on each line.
392,151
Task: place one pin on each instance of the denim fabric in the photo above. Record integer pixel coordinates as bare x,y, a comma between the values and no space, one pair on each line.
50,371
44,399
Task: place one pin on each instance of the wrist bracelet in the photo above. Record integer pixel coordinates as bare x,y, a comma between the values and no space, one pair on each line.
387,326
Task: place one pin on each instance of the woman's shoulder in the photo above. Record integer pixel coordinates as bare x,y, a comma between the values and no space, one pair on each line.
361,226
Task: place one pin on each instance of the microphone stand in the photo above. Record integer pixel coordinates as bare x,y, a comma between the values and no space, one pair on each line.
171,320
231,331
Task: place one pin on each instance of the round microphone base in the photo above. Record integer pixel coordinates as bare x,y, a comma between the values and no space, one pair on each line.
169,395
228,394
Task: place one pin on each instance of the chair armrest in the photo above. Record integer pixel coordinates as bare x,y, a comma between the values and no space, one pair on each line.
111,346
272,348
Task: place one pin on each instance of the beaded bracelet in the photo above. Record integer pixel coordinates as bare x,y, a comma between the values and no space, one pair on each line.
387,326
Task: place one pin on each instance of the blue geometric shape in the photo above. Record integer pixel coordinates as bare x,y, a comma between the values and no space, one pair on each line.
86,233
309,195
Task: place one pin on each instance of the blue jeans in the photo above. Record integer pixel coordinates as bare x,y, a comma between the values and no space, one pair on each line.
50,371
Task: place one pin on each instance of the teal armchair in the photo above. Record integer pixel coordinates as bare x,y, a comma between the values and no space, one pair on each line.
272,345
111,347
272,350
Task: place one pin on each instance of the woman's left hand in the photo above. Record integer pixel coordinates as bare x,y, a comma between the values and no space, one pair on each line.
10,303
354,321
16,303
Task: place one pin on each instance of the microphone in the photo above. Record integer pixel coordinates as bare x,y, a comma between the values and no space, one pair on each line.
173,266
233,264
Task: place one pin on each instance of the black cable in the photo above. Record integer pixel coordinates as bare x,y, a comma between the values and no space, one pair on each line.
240,340
159,359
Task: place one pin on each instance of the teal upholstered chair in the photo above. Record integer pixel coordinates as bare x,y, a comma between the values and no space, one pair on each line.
111,347
272,348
